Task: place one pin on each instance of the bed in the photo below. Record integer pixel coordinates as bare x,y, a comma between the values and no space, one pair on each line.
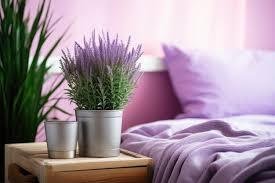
202,150
225,131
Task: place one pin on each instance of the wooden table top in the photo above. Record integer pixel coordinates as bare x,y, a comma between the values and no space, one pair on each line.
32,156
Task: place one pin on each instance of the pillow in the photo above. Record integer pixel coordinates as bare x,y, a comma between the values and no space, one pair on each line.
221,84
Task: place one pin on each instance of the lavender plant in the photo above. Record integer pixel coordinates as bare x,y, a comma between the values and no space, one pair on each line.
102,74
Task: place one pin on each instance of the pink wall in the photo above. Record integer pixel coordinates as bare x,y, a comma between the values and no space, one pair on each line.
153,100
260,24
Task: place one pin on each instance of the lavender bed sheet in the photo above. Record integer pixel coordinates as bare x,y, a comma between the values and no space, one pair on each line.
236,149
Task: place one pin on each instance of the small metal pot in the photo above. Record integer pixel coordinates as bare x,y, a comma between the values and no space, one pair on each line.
61,139
99,132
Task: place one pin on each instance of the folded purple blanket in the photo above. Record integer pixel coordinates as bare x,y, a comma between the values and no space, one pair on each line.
206,151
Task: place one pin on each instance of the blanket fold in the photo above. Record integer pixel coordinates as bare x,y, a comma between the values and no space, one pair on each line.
213,151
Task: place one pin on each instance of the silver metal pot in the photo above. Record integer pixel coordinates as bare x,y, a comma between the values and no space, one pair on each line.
61,139
99,132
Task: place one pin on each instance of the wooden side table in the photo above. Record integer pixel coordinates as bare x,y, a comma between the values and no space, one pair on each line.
129,167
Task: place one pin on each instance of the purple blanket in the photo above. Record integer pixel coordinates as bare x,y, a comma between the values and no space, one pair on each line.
236,149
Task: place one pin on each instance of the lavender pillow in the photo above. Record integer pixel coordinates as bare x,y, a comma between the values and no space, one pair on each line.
221,84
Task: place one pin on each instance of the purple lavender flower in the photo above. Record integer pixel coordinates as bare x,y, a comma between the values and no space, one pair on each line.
102,73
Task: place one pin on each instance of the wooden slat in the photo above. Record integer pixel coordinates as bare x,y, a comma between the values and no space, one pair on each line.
8,161
26,163
118,175
97,165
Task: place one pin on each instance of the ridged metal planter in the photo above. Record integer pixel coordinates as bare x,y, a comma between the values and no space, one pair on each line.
99,132
61,139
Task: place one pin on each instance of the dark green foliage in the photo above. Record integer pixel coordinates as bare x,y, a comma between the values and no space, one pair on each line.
101,91
21,74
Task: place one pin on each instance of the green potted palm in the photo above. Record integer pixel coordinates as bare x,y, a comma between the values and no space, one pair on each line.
22,71
101,76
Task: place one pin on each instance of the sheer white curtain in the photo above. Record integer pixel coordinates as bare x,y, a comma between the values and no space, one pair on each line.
189,23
